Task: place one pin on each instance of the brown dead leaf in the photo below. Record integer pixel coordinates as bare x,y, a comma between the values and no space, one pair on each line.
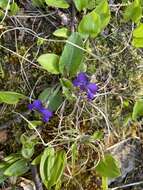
3,136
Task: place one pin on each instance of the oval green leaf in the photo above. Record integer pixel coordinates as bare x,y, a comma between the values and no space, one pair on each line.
90,24
49,62
133,11
14,8
3,4
61,32
51,166
108,167
9,97
17,169
46,163
103,10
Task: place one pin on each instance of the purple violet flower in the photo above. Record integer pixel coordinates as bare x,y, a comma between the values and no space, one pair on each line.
46,114
37,105
92,89
82,81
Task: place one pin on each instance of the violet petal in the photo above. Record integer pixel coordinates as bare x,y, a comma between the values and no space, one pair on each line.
81,81
92,87
46,114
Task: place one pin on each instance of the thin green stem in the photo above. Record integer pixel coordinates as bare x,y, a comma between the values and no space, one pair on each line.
104,183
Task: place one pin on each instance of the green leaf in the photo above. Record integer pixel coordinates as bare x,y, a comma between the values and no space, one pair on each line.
98,135
12,158
3,165
18,168
67,88
94,22
138,36
108,167
28,144
52,98
51,166
46,164
91,4
49,62
138,109
138,32
45,94
7,161
28,140
27,152
61,32
35,123
58,168
58,3
103,10
68,93
137,42
9,97
58,186
90,24
67,83
37,160
2,176
80,4
133,11
72,56
40,41
14,9
55,101
3,4
83,67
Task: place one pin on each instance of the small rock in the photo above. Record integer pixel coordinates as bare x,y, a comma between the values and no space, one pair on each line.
128,154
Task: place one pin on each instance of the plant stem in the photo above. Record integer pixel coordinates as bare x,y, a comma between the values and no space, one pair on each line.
73,16
104,183
36,178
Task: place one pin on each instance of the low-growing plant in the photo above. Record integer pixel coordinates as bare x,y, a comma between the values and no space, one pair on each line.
73,83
